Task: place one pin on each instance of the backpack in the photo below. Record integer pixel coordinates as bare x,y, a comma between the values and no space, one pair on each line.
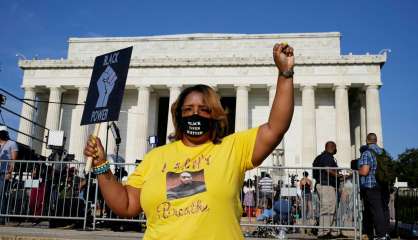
385,170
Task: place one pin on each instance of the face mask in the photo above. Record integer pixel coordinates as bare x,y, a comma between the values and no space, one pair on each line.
195,125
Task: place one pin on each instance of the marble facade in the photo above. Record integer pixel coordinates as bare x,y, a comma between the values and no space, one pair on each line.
336,96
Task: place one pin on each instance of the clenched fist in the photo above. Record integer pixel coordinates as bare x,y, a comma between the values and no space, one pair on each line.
283,57
105,86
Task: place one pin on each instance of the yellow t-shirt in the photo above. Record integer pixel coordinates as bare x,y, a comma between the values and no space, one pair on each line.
193,192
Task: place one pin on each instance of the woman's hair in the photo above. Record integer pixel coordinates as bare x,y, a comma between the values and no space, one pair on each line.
219,127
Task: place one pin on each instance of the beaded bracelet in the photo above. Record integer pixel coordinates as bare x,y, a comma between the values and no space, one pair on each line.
102,168
101,164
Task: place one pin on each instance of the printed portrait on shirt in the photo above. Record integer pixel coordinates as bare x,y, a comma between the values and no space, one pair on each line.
184,184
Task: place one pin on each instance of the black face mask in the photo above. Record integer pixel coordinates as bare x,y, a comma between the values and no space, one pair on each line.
195,125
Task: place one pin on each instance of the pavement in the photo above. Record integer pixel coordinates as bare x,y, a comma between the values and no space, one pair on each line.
28,231
42,231
36,233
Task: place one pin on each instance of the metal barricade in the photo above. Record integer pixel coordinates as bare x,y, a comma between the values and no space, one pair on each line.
59,193
406,212
103,214
283,205
39,190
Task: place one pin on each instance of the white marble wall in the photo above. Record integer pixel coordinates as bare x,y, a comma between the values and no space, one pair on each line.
325,118
206,45
66,121
126,124
293,138
40,118
259,109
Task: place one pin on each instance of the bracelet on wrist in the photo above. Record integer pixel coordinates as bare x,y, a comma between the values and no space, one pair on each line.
287,73
102,168
101,164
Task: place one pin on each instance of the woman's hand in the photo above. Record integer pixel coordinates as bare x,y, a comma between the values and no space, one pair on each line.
94,149
283,57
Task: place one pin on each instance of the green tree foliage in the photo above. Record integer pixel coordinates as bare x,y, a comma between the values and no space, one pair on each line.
407,167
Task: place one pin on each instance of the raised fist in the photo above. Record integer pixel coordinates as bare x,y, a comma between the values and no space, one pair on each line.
105,86
283,57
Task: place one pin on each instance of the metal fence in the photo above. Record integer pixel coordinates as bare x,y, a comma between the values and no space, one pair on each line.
407,205
57,192
42,190
102,213
274,201
289,205
406,212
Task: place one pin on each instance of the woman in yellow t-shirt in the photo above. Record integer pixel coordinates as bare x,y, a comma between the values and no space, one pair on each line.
189,188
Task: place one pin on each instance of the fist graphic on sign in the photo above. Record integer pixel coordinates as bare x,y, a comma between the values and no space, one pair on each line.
105,86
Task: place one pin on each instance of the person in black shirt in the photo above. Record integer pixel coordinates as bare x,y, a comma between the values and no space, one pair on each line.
326,182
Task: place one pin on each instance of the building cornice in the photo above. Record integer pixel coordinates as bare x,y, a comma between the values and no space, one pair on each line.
208,62
204,36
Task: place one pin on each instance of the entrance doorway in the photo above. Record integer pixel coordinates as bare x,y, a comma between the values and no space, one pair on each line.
229,103
162,120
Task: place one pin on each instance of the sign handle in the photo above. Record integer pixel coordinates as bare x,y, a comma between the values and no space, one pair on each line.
90,159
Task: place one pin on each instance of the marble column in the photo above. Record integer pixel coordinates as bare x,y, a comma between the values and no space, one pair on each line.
174,93
308,125
276,157
142,120
54,112
355,115
363,128
272,94
342,126
28,111
373,115
357,135
80,134
241,110
40,119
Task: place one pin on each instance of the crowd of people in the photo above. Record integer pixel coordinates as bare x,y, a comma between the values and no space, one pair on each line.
326,199
375,193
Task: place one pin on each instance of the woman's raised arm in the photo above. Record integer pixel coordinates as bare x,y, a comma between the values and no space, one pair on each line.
271,133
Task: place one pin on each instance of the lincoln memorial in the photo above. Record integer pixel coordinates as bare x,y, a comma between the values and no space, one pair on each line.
336,96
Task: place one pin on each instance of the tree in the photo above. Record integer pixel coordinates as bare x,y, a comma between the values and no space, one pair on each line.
407,167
